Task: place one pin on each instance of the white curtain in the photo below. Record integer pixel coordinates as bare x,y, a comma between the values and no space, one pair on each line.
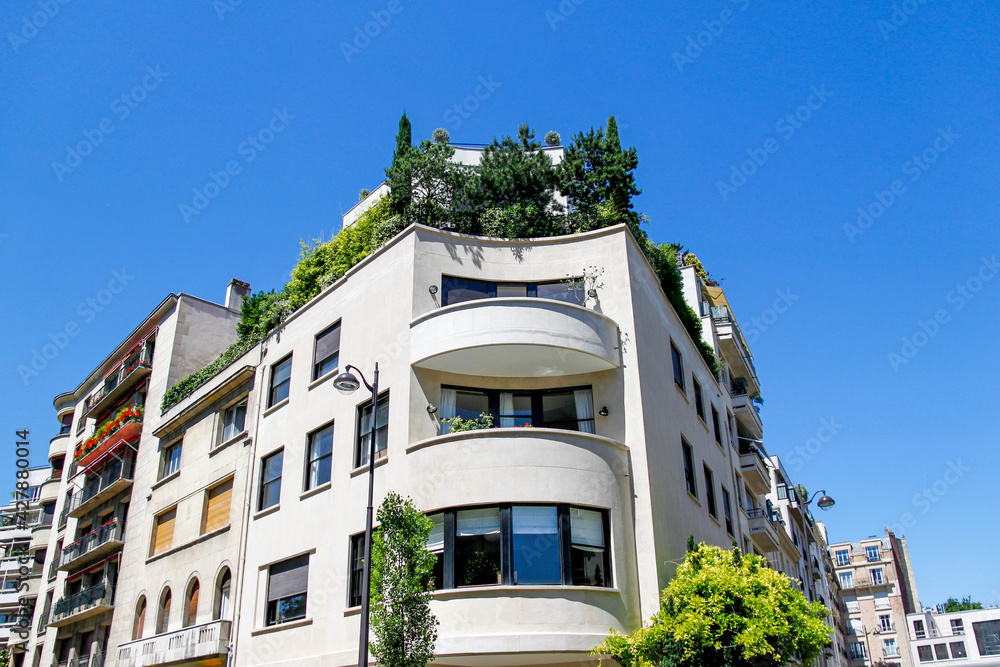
584,409
448,408
478,522
435,541
530,520
587,527
506,408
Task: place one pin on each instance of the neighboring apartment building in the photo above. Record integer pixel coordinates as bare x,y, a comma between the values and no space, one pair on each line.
104,447
879,590
970,637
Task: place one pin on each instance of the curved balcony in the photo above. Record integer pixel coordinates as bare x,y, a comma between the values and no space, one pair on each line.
48,492
40,536
747,414
763,530
515,337
59,445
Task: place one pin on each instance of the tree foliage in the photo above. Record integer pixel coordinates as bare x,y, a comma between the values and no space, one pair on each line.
726,609
405,628
965,604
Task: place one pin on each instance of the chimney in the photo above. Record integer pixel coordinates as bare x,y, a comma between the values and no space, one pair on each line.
235,293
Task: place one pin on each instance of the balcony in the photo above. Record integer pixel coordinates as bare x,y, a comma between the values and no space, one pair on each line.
122,379
733,345
883,603
515,337
88,602
92,547
754,469
100,487
206,643
816,572
746,413
58,445
763,530
96,660
125,425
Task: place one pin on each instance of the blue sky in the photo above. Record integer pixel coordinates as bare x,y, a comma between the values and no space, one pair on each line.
891,108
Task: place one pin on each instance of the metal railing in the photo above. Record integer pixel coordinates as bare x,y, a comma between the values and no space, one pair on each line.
100,595
117,470
107,533
721,315
119,374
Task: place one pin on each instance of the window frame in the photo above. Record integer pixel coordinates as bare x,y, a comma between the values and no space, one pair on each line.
318,364
271,607
287,383
881,576
490,288
266,484
167,459
678,363
233,407
957,626
691,482
710,500
727,510
877,551
845,553
961,645
925,653
307,484
359,437
699,399
537,397
716,427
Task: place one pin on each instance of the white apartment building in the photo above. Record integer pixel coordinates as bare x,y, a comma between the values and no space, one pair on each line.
957,638
24,519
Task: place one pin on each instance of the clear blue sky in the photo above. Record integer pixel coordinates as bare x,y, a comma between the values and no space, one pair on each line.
888,92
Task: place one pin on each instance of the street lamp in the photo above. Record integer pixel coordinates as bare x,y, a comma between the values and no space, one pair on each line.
347,383
825,502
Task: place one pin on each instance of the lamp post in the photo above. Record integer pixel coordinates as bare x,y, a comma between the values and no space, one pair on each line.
825,502
347,383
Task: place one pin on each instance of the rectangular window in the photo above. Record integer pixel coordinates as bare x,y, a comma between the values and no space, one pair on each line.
477,547
715,426
847,580
957,626
918,629
941,651
727,510
319,457
885,623
357,570
364,434
435,544
468,404
570,291
287,585
327,355
958,650
457,290
843,557
925,653
588,550
692,485
987,637
234,421
570,409
218,502
872,553
281,380
699,403
675,356
710,491
535,531
171,461
163,531
877,576
858,651
889,648
270,480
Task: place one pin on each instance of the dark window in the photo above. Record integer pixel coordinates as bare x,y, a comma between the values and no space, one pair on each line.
958,650
692,484
477,547
941,650
435,544
65,423
699,404
925,653
715,426
357,570
270,480
287,585
710,492
281,374
727,509
588,548
365,430
918,626
535,530
675,356
571,291
320,455
456,290
570,409
987,637
327,355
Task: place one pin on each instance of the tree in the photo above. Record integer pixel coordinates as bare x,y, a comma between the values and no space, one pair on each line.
726,609
397,174
438,188
404,627
965,604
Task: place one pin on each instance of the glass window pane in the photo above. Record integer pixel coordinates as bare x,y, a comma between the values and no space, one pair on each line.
559,410
536,545
562,292
586,527
282,372
435,544
456,290
477,547
512,289
471,404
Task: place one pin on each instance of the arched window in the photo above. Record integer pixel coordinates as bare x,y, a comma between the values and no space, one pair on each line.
191,604
222,595
163,619
140,619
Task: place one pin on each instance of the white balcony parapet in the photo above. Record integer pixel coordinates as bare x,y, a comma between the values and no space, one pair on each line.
197,642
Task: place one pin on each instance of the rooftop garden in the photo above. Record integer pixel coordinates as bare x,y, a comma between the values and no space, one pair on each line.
510,194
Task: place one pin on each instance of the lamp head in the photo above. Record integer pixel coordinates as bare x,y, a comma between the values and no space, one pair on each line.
825,502
346,382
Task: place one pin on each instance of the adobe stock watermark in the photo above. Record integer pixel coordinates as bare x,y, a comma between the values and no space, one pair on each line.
248,149
769,316
87,311
811,448
563,11
900,16
931,495
223,7
30,25
122,107
928,329
786,127
463,110
372,29
703,39
913,168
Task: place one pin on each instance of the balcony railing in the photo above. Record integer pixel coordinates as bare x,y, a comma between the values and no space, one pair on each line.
124,425
138,360
90,543
190,644
89,599
43,621
721,315
114,477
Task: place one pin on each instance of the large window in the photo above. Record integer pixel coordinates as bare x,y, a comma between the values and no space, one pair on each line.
270,480
877,576
571,409
843,557
941,651
319,457
885,623
287,585
456,290
925,653
699,400
727,509
872,553
163,531
234,420
847,580
715,426
281,374
520,545
692,484
958,650
675,357
218,502
170,462
364,434
987,637
357,570
889,648
858,651
327,355
710,492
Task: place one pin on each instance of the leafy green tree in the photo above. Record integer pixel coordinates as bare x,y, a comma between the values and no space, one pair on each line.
397,174
725,609
438,187
405,628
965,604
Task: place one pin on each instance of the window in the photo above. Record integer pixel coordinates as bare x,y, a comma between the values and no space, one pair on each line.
287,584
535,532
588,552
843,557
853,606
715,426
692,485
958,650
987,637
941,651
218,501
889,648
570,409
457,290
191,604
327,355
918,629
357,570
435,544
163,531
222,596
675,356
885,623
234,420
270,480
847,580
319,457
281,374
65,424
140,618
710,492
477,547
163,615
699,403
877,577
171,460
957,626
727,510
858,651
365,430
925,653
872,553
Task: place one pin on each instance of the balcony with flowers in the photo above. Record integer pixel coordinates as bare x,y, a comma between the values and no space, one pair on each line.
126,424
135,366
92,547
